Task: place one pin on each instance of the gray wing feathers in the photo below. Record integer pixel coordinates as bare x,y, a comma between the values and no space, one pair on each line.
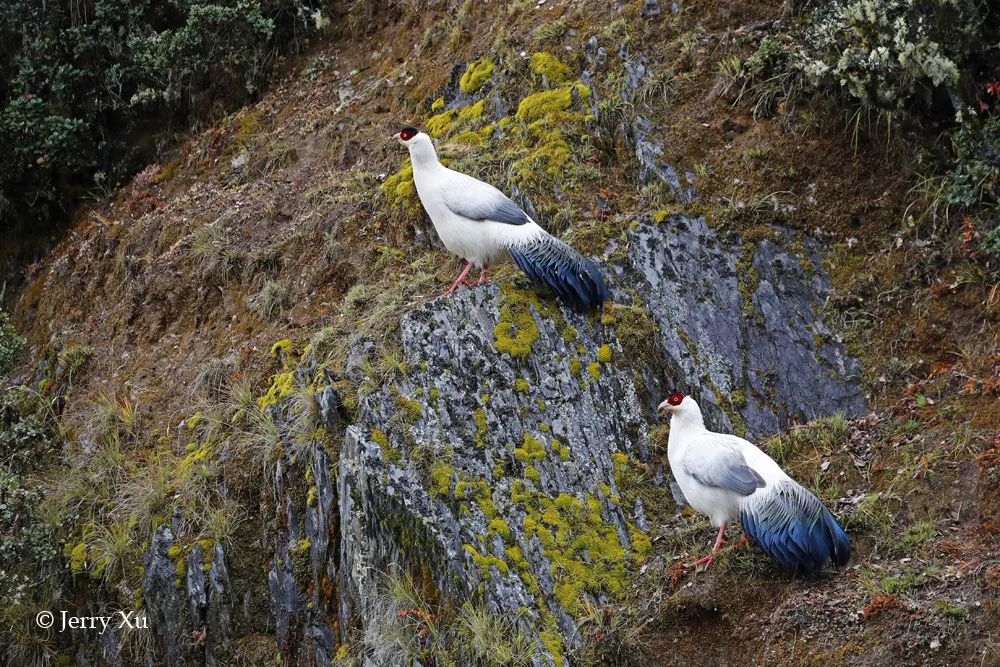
727,470
476,200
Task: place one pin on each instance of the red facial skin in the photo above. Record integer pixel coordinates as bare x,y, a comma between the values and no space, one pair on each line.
406,135
675,399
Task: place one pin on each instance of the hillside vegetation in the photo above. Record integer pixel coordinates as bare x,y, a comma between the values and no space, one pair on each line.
232,385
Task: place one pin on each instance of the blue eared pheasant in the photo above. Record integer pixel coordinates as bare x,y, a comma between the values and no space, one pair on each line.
483,226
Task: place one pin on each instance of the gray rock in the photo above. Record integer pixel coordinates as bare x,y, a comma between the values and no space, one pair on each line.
755,366
652,168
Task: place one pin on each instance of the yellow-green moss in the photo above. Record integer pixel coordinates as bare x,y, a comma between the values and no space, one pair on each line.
441,479
604,354
521,386
569,334
411,411
484,563
312,497
552,641
594,370
284,346
516,331
488,507
437,104
78,558
531,472
282,386
530,450
547,65
575,367
194,420
476,75
400,191
380,438
549,102
500,527
479,417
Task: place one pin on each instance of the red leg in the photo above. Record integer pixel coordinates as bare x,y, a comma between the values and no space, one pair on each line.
460,280
484,279
707,560
720,539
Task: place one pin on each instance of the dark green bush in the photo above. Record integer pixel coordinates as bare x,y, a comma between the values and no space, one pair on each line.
87,88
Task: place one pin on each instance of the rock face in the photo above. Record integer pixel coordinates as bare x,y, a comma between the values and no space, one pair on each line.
742,321
494,464
501,468
186,591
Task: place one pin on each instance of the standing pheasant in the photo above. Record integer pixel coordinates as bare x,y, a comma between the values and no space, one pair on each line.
483,226
727,477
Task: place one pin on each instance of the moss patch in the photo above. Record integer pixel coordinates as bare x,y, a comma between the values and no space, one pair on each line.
547,65
476,75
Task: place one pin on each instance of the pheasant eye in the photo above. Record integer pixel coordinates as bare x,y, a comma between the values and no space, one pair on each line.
675,399
407,133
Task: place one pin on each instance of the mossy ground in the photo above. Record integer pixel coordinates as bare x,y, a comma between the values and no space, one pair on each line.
156,297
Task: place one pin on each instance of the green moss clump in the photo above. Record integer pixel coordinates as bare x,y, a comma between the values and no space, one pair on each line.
411,411
461,490
530,450
552,641
195,419
575,367
547,65
484,563
479,417
488,507
437,104
476,75
531,472
521,386
604,354
594,370
380,438
282,386
549,102
78,557
516,332
500,527
400,191
569,334
516,558
389,454
441,480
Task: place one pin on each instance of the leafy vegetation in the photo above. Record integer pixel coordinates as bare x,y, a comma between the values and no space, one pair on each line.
11,344
87,88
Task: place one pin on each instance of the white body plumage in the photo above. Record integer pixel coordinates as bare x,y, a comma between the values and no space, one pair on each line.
690,446
483,242
483,226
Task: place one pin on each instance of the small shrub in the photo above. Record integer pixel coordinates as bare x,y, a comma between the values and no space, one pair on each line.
11,344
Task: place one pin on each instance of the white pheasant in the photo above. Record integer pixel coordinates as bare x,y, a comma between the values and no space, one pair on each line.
485,227
726,477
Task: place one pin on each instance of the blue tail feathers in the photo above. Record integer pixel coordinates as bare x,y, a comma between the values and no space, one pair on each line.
576,280
794,528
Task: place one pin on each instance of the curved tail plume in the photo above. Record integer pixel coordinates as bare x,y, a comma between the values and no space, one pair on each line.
576,280
794,528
